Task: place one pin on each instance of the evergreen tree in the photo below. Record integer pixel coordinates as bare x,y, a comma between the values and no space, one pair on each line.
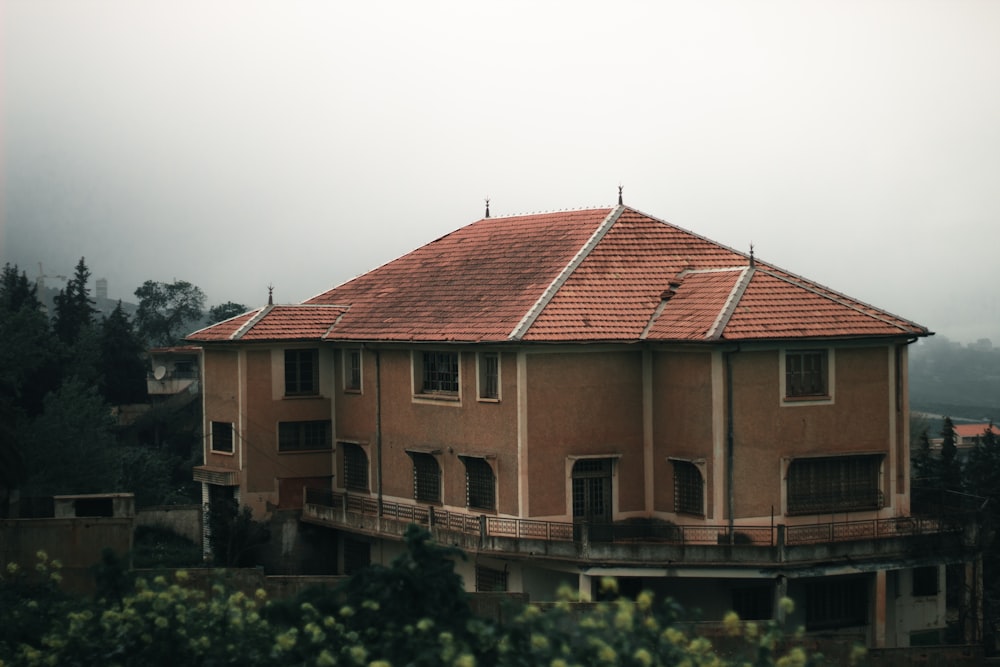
923,464
121,360
16,291
949,477
167,310
74,308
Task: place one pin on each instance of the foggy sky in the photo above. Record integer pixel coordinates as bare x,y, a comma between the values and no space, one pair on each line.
300,143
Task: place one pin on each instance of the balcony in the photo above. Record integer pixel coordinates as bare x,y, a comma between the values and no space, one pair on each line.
954,532
164,382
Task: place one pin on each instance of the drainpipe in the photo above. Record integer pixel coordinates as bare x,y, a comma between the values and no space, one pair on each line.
730,456
378,427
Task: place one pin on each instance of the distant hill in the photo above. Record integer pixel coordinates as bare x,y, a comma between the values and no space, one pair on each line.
955,380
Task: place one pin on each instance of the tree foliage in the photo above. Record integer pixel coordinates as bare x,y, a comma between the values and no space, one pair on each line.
224,311
167,310
74,309
121,360
374,621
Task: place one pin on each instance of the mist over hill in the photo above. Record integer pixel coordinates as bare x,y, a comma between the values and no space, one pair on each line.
951,379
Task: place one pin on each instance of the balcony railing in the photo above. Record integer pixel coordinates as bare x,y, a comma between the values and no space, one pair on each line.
335,507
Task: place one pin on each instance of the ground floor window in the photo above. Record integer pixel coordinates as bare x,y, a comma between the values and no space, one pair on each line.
925,581
490,580
836,602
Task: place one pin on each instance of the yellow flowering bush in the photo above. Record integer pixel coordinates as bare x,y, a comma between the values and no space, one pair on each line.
413,613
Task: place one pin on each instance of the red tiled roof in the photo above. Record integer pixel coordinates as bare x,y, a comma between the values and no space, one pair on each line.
973,430
275,323
611,274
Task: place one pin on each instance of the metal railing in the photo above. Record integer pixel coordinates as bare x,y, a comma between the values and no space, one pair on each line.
641,531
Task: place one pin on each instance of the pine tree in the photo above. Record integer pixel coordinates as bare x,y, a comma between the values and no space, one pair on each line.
74,309
16,291
949,476
121,360
922,462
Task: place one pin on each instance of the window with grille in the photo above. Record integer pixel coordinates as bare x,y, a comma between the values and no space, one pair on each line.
806,373
426,478
480,484
222,437
689,488
489,375
490,580
836,602
352,370
592,490
834,484
439,373
304,435
301,372
355,467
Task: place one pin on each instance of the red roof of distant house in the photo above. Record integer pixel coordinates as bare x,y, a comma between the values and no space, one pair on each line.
973,430
610,274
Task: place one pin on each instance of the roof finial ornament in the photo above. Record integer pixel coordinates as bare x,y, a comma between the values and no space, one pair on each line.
270,294
487,207
620,188
753,262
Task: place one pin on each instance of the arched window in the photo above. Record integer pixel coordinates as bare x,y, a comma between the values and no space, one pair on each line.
426,478
480,484
689,488
355,467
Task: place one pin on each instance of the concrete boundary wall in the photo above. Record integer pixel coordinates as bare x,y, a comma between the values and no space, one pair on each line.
185,520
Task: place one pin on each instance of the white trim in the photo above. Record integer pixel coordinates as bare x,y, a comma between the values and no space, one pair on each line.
479,377
733,300
550,291
345,360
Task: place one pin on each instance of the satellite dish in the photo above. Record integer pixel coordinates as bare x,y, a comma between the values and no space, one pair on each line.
159,372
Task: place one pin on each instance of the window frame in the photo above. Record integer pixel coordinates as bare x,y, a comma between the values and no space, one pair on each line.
431,383
294,382
488,377
809,489
426,476
792,365
302,436
217,427
353,360
691,493
480,483
355,468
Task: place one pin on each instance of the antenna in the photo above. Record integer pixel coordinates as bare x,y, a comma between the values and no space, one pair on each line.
620,188
487,207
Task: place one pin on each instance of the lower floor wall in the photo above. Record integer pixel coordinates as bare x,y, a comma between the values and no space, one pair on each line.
884,608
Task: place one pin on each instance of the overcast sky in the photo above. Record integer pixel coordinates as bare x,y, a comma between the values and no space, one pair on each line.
301,143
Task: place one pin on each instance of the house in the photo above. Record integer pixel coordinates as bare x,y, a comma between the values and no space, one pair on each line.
579,394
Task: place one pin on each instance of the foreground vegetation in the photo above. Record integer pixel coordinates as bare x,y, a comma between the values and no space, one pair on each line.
412,613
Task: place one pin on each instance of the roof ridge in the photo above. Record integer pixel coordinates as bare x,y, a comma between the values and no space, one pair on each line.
728,308
249,324
550,291
527,214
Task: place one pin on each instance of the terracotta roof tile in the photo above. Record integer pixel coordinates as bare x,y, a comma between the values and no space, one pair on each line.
588,275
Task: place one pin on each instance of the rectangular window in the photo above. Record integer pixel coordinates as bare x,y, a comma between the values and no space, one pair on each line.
480,484
689,488
834,484
836,602
426,478
925,581
222,437
352,370
301,372
489,375
806,374
439,373
355,467
489,580
304,436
